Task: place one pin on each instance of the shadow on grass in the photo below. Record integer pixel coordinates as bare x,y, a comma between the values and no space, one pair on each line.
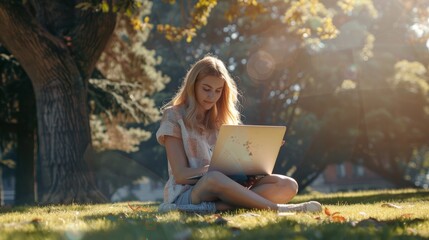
188,226
138,225
20,209
290,229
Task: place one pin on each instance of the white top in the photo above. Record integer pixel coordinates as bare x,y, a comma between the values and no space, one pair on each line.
197,146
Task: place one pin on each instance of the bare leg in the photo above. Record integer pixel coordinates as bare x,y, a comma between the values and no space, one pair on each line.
276,188
216,186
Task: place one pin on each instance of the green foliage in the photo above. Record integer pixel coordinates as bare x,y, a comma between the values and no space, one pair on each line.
129,7
130,77
342,94
395,214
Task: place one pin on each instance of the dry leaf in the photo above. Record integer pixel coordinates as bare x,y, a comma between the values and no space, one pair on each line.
335,213
334,217
213,217
137,208
363,214
390,205
412,231
407,215
36,220
338,219
327,211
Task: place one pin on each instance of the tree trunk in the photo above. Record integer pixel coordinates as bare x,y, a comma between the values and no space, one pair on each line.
1,186
64,142
59,75
25,166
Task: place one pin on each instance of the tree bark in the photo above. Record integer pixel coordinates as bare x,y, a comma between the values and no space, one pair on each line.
25,166
59,72
1,187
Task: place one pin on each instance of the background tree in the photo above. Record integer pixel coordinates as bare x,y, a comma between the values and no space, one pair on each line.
58,46
325,77
119,96
18,124
131,80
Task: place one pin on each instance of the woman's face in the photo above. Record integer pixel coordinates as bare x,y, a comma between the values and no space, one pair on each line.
208,91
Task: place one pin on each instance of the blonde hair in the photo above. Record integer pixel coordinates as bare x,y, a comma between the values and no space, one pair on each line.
225,110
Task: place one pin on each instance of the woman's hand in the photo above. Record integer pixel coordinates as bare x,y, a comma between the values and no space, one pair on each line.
205,169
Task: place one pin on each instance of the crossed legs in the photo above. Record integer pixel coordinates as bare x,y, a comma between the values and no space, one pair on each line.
228,194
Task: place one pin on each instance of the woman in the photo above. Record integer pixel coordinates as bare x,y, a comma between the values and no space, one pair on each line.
191,120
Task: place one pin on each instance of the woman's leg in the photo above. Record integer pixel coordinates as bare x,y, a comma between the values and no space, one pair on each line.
215,186
276,188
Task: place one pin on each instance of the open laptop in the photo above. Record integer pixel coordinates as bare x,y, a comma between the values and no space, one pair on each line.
246,150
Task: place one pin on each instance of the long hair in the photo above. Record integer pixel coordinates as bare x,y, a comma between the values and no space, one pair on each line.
225,111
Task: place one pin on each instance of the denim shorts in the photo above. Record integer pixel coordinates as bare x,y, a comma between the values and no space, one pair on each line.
184,198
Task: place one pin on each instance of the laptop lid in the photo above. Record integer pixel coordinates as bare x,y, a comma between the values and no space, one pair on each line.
247,149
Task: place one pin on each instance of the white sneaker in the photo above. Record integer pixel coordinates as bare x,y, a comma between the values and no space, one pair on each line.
311,206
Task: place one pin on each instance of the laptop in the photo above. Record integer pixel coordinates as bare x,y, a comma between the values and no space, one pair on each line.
246,150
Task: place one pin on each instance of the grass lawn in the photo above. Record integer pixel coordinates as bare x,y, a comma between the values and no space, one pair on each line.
395,214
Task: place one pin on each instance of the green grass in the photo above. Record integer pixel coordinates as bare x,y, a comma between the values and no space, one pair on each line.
365,215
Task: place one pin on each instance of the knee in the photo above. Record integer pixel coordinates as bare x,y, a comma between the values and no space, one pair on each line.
293,185
214,180
289,186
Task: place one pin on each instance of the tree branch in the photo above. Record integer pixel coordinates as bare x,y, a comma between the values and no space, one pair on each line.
30,43
84,40
89,37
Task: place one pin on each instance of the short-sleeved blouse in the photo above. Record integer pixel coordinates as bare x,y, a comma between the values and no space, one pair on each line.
197,146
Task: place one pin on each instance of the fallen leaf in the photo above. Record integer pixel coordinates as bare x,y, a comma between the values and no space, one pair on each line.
363,214
137,208
407,215
327,211
335,213
412,231
36,220
390,205
354,223
213,217
338,219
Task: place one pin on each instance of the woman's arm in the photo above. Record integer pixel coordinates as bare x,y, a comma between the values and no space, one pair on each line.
179,163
